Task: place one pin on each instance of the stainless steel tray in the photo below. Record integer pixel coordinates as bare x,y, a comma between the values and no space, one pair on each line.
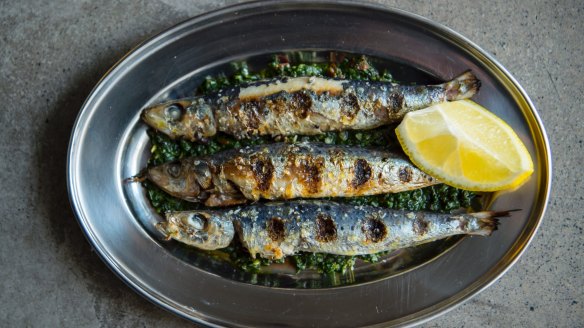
109,144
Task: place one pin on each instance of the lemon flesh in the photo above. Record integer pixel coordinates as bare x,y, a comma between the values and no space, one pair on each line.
466,146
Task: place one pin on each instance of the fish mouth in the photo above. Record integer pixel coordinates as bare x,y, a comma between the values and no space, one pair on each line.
154,117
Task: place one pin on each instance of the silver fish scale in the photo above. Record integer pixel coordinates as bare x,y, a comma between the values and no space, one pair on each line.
276,230
302,105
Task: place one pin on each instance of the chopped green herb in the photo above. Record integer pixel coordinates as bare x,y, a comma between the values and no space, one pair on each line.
440,198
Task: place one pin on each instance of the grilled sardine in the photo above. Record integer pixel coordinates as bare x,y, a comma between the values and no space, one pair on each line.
276,230
286,171
302,105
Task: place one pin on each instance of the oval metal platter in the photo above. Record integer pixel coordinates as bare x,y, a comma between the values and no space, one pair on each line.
109,144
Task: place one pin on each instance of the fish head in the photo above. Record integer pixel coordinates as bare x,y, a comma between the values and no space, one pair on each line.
202,229
182,179
185,118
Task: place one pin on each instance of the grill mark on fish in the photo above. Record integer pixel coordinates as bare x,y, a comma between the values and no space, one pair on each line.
420,225
362,173
326,228
250,117
380,112
309,170
278,106
301,104
263,172
374,230
395,101
317,105
276,229
405,174
350,107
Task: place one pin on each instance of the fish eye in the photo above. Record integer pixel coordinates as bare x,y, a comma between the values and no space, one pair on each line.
198,221
174,112
174,170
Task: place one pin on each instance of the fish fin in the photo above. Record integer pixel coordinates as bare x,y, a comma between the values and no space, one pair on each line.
488,221
463,86
161,227
222,200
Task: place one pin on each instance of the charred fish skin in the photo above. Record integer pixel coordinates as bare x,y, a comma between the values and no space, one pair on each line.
301,105
316,170
287,171
276,230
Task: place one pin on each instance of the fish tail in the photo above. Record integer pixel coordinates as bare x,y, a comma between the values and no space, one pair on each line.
463,86
140,177
488,221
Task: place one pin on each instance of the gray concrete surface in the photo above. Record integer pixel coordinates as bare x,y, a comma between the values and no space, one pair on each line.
53,52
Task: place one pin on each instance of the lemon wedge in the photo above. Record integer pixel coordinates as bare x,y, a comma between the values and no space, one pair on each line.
466,146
